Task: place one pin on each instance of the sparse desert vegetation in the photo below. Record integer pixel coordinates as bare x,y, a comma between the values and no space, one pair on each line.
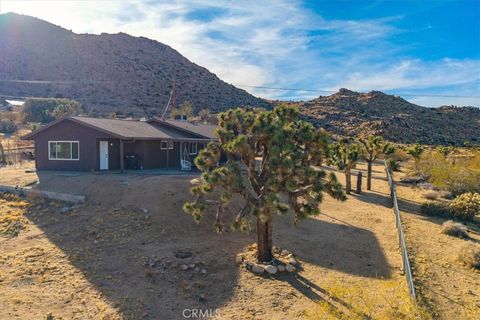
350,205
86,253
470,256
442,251
455,229
358,302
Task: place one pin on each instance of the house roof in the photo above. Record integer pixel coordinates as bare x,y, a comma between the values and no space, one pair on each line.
132,129
204,130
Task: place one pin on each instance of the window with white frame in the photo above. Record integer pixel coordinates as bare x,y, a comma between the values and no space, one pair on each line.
164,145
192,148
63,150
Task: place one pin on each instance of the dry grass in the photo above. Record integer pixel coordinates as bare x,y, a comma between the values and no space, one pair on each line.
445,285
470,256
12,219
455,229
386,300
75,265
431,195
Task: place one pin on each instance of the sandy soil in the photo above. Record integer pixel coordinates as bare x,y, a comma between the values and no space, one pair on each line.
115,256
450,289
16,175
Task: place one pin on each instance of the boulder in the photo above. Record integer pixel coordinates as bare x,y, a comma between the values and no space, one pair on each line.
289,267
257,269
281,268
271,269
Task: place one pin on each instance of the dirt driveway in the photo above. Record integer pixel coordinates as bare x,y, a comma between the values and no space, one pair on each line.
120,255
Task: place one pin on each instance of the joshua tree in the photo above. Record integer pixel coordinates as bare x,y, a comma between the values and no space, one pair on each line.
416,152
2,153
345,155
272,164
374,146
445,150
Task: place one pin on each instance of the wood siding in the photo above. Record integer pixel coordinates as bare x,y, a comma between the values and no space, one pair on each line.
69,131
148,152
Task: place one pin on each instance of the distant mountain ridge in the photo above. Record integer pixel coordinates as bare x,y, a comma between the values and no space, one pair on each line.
133,76
350,113
107,72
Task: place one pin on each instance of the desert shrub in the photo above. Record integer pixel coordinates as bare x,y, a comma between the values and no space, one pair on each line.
7,126
445,194
46,109
470,256
457,175
435,209
400,154
431,195
455,229
393,164
466,206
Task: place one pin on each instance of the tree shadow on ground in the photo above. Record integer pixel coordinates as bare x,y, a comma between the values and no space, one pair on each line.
126,237
404,205
316,293
337,246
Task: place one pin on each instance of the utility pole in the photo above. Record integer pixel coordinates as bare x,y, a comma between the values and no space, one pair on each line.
171,100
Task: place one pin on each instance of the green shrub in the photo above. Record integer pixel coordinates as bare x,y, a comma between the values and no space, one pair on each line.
7,126
457,174
393,164
455,229
466,206
44,110
435,209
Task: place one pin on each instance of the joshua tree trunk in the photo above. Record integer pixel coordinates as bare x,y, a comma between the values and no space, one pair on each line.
348,180
416,164
369,175
264,242
359,183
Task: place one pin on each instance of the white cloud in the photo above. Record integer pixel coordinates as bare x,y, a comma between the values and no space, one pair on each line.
277,44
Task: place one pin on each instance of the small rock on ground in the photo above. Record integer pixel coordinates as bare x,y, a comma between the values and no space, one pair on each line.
271,269
257,269
289,267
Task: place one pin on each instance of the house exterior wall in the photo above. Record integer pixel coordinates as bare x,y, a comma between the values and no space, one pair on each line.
70,131
149,152
151,156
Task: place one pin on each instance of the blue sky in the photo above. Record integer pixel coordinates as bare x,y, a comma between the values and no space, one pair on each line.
429,48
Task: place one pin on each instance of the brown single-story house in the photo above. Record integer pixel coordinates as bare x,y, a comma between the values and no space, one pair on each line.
92,144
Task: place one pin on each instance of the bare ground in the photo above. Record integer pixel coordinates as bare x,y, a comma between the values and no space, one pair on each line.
450,289
114,257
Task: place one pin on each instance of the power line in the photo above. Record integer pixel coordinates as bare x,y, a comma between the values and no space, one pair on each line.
329,91
404,94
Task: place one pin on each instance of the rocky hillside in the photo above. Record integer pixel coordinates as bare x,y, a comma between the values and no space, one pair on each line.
350,113
107,72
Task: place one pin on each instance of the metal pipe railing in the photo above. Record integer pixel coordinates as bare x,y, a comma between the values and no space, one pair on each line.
401,238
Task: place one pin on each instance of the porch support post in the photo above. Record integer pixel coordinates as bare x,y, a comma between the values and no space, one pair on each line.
168,154
121,156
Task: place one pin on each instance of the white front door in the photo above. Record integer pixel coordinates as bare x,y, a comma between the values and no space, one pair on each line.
103,155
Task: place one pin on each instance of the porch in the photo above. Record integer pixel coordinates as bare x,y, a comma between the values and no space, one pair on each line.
127,155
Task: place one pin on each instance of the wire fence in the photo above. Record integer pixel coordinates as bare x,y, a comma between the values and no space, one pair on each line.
401,238
15,156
